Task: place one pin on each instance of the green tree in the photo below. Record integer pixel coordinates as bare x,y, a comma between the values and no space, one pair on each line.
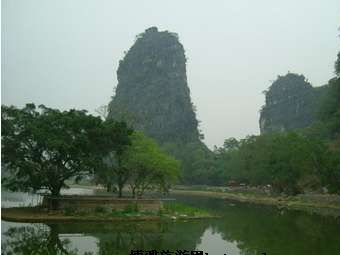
43,147
230,144
113,170
148,166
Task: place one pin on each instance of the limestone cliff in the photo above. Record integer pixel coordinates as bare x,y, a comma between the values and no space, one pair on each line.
291,103
152,93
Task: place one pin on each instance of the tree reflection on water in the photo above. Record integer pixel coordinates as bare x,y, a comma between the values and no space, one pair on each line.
35,240
113,239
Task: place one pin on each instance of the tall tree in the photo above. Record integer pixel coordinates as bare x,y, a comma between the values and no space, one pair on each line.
112,172
43,147
148,165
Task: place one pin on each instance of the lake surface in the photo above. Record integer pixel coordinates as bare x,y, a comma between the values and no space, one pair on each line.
243,229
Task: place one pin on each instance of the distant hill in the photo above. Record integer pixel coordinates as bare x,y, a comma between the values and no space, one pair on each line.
291,103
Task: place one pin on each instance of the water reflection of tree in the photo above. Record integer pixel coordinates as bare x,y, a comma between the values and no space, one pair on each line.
40,239
151,236
113,239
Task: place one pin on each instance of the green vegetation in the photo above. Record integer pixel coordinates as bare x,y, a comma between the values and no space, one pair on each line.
182,210
142,165
170,209
148,166
290,162
43,147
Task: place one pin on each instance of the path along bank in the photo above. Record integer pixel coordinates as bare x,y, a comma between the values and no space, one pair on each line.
322,204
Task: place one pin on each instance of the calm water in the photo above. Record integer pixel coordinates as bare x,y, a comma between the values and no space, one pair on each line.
244,229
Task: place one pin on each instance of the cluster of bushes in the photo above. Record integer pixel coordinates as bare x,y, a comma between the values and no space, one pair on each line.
290,162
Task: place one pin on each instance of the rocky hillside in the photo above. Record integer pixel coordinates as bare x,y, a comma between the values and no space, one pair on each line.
291,103
152,93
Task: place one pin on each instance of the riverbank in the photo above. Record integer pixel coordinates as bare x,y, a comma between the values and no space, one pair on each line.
173,211
328,205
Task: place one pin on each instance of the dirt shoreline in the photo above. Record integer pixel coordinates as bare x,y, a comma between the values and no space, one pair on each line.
36,215
291,203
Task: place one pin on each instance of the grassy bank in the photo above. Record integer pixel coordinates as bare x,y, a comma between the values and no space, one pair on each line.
319,204
170,211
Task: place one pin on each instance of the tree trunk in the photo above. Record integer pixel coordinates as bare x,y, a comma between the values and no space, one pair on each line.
120,182
133,188
108,187
120,185
120,190
55,194
55,245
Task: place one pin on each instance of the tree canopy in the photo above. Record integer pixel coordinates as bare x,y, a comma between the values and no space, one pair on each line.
43,147
143,165
149,166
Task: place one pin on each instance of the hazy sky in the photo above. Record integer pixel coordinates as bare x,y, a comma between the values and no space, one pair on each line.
65,53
